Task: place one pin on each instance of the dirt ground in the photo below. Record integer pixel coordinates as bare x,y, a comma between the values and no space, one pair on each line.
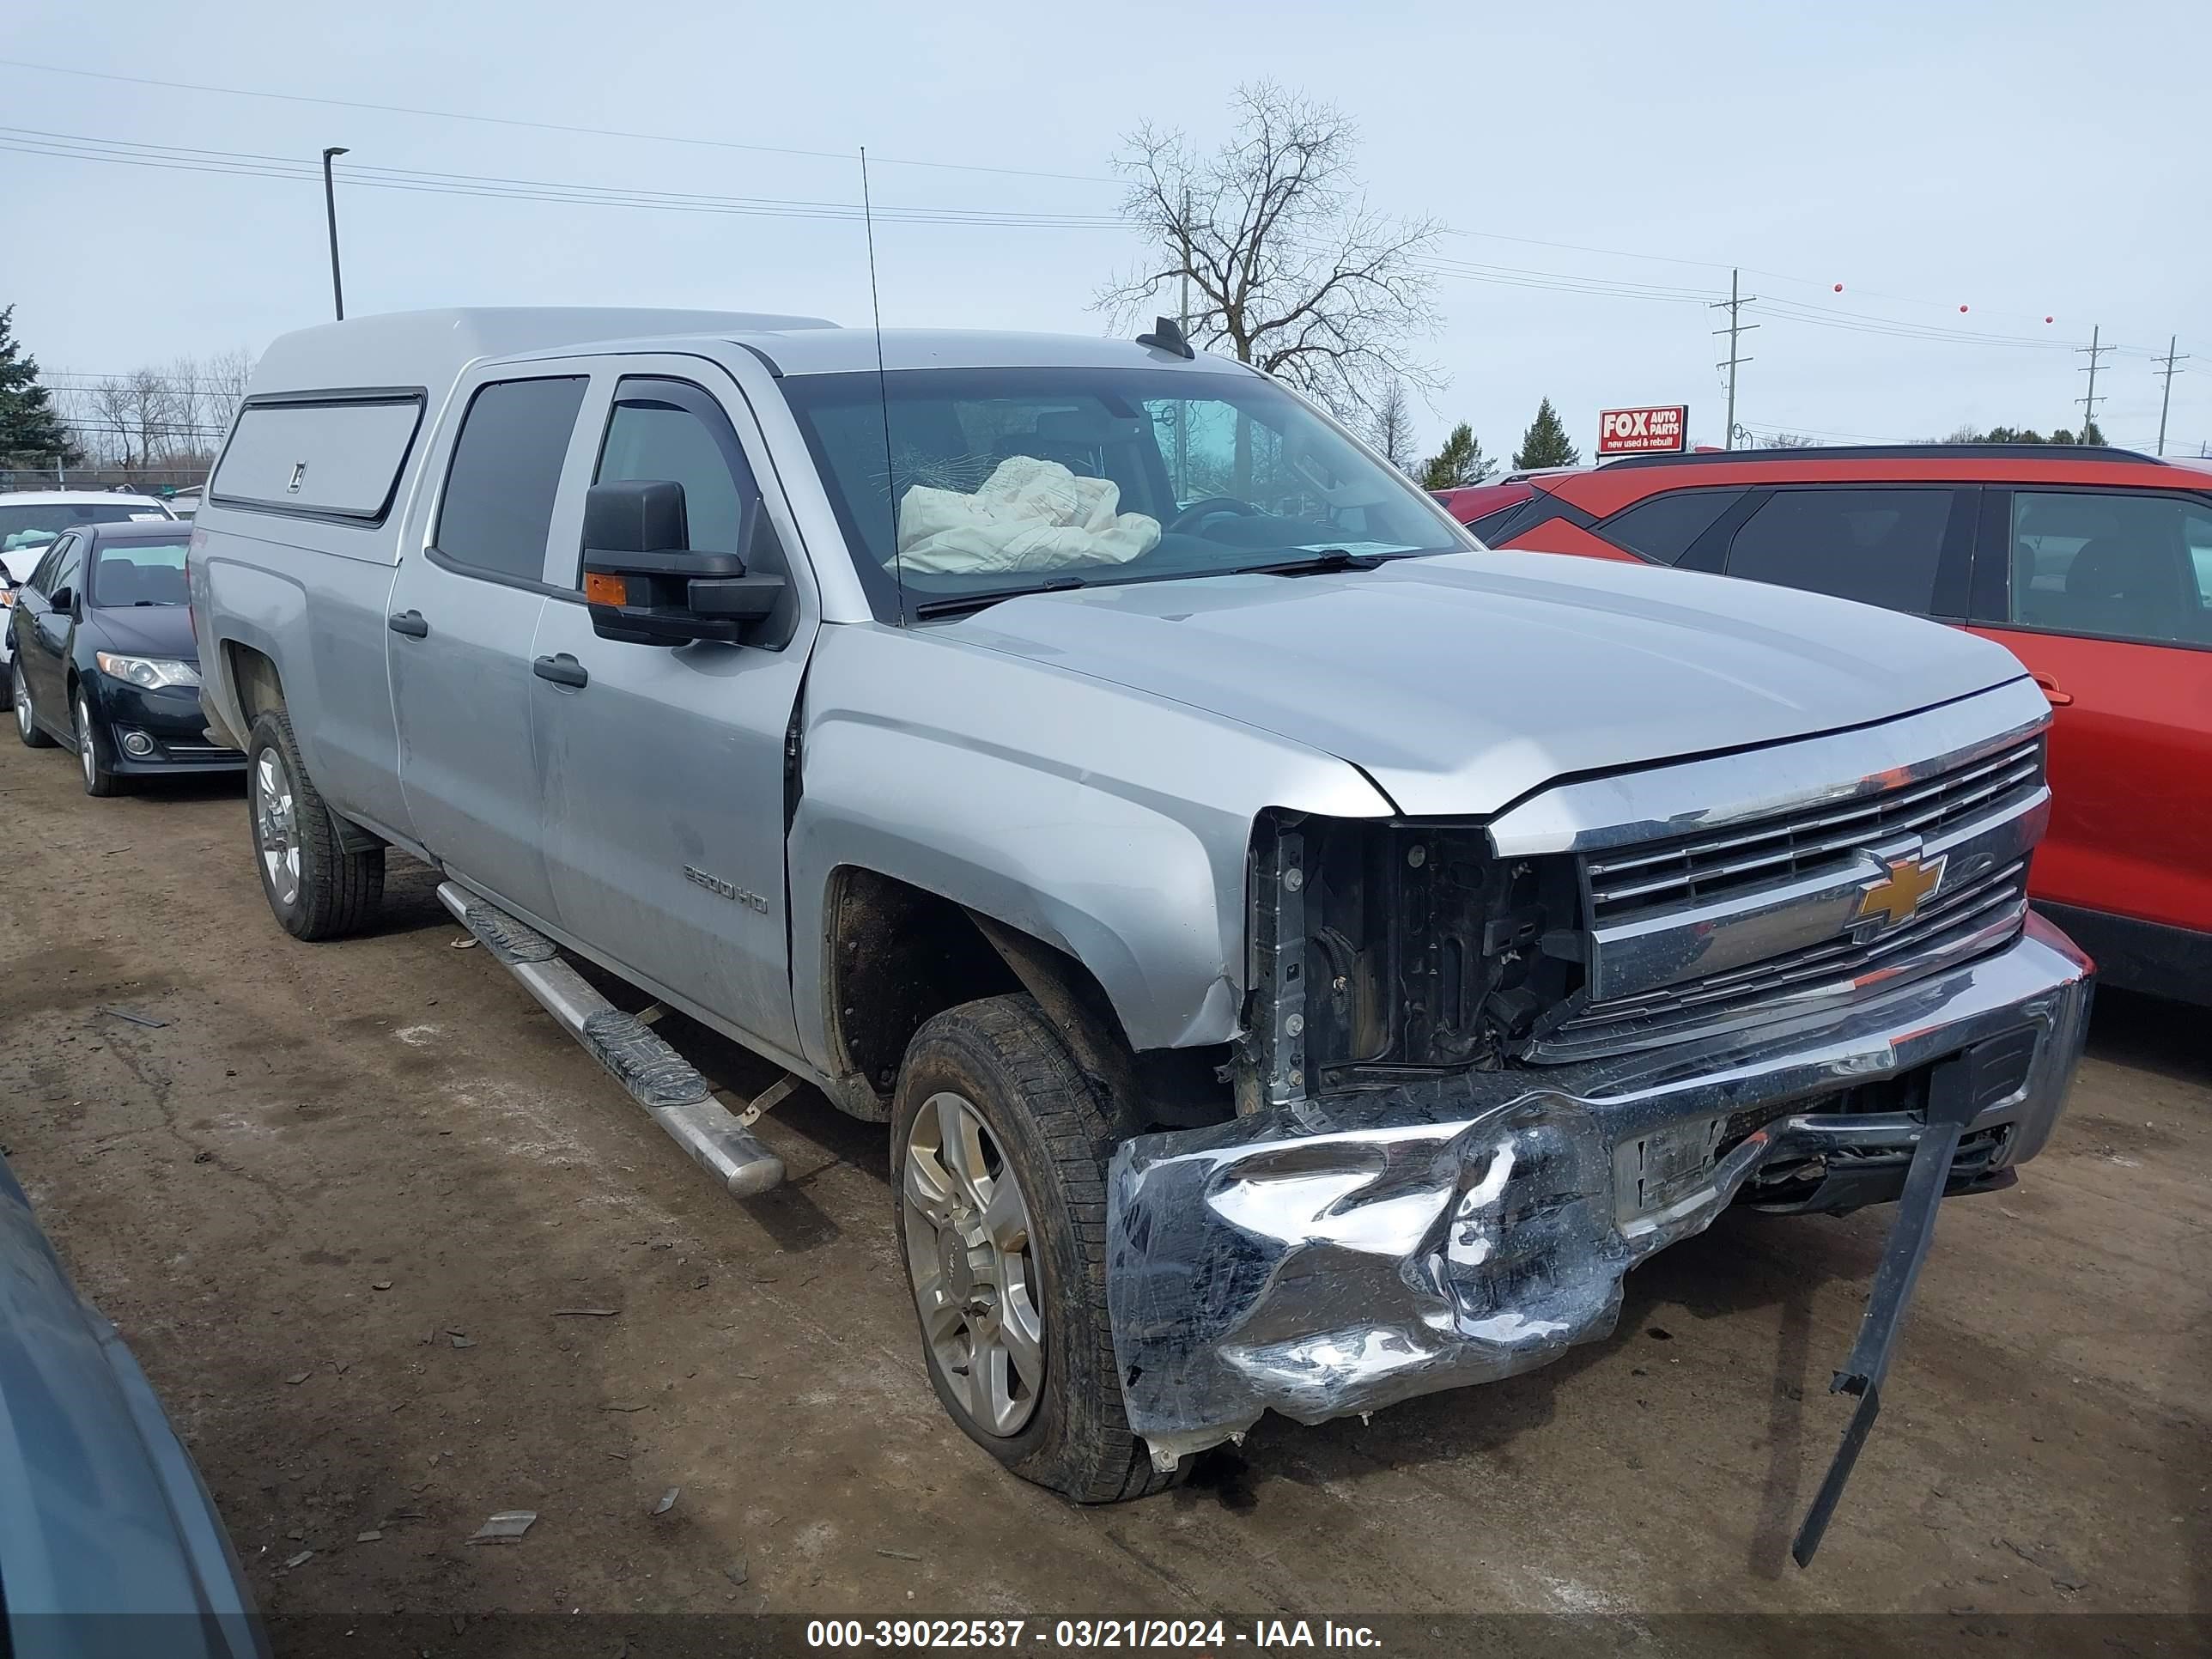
346,1204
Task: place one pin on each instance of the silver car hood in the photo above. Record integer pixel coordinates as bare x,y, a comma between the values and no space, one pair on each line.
1462,682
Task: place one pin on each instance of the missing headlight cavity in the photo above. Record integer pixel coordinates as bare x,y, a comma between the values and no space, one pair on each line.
1381,950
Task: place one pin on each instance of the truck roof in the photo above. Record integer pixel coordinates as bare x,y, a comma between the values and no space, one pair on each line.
431,347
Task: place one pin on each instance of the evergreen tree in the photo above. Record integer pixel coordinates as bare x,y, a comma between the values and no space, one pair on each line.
1460,463
1545,443
31,432
2091,434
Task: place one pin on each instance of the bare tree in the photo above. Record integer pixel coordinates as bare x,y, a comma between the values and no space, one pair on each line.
153,407
1787,440
228,373
1288,268
1392,428
108,413
184,385
169,421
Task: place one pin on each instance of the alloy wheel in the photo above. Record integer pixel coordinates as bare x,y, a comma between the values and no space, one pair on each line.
85,756
969,1257
25,721
275,834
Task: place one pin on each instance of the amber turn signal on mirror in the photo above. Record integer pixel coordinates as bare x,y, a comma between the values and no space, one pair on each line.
605,590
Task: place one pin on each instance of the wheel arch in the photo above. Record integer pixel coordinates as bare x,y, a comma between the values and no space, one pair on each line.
895,954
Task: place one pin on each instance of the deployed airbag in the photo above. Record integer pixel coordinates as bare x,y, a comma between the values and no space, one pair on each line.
1029,514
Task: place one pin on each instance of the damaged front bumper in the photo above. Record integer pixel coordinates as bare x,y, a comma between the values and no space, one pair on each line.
1337,1255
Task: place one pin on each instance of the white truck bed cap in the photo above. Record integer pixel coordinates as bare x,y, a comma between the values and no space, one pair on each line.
430,348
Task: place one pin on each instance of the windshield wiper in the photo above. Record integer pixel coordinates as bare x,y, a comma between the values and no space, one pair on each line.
1316,564
962,603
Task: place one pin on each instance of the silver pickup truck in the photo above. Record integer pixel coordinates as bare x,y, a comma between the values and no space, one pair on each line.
1304,960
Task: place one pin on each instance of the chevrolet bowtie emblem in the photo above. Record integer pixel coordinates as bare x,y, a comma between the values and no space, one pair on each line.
1895,896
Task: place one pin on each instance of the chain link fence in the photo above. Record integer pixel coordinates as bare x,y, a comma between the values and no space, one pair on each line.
19,470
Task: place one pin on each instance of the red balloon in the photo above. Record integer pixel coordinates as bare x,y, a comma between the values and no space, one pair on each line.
1962,308
1839,288
2050,319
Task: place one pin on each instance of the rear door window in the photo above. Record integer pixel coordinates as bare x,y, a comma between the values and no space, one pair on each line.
1664,526
497,510
1877,545
41,580
68,568
1486,527
2112,565
334,458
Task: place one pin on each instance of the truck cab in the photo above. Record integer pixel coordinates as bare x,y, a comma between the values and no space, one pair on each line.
1303,959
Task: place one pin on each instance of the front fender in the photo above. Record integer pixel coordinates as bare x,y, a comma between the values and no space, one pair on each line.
1111,825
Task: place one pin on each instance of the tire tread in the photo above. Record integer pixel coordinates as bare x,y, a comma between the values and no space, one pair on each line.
340,891
1099,1459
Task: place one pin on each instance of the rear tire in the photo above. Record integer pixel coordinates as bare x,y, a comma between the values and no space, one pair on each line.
316,889
27,723
92,754
1001,1065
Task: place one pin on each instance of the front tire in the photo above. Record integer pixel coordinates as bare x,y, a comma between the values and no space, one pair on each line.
92,756
27,723
999,1192
316,889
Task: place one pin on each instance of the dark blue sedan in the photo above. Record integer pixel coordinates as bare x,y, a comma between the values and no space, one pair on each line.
105,661
109,1544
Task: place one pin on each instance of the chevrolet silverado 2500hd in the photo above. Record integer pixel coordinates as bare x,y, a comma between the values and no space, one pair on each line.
1303,959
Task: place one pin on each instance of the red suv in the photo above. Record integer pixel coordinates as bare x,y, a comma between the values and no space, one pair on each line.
2094,566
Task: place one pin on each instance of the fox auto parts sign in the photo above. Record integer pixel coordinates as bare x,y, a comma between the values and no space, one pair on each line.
1662,430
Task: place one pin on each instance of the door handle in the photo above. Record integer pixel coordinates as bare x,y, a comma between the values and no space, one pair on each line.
563,670
411,623
2058,699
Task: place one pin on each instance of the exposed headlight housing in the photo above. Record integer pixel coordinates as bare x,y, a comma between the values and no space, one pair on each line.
1380,951
148,673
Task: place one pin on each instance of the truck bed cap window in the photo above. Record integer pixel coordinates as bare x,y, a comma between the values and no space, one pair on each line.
333,456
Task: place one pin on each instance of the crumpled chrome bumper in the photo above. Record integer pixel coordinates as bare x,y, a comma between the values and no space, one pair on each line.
1334,1257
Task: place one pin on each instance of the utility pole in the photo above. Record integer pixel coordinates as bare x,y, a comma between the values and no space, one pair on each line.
330,216
2094,352
2166,399
1736,327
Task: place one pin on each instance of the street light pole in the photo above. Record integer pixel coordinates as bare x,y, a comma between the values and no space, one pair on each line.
331,215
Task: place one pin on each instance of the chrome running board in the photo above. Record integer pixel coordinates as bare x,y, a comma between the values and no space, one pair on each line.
667,1085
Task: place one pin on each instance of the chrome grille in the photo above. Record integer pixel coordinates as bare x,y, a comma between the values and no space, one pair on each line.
1958,923
1668,876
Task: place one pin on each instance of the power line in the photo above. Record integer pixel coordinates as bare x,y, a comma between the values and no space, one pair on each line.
167,84
246,164
1862,322
251,164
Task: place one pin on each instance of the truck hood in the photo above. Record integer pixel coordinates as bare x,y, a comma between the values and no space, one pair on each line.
1461,682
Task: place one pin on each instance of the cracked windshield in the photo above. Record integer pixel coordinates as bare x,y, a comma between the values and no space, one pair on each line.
998,482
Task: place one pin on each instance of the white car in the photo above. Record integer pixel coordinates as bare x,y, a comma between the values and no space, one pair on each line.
31,519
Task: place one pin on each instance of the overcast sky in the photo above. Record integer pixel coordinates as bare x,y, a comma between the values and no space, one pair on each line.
2020,159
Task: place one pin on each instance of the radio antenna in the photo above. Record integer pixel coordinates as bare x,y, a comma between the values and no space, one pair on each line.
883,388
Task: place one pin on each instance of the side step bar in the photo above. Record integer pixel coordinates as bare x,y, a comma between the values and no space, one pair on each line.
658,1078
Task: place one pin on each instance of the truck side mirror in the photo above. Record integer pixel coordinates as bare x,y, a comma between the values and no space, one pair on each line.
644,583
